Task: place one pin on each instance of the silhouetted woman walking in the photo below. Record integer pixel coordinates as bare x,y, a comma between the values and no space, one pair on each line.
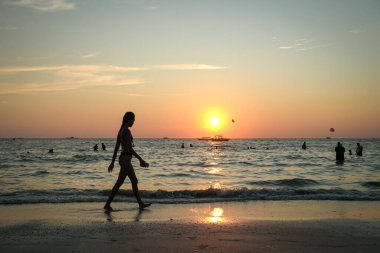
124,138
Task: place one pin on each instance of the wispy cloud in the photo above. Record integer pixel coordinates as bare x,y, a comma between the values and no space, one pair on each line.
189,67
152,7
285,47
69,68
108,68
313,47
274,39
64,78
86,56
45,5
71,77
65,85
303,44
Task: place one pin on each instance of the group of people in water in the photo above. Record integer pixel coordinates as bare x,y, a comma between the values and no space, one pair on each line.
340,150
96,147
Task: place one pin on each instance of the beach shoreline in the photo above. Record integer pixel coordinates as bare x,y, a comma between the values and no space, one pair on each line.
251,226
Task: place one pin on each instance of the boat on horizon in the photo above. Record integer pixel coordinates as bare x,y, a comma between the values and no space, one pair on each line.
215,138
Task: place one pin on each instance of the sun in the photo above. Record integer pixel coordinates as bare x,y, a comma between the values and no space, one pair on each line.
214,122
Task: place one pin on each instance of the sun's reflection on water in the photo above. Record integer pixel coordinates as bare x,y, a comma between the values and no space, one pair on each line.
214,170
216,185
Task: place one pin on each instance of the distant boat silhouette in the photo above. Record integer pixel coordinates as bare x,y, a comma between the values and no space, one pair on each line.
215,138
204,139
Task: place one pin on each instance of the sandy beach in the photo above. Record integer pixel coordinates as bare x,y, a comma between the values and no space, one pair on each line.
252,226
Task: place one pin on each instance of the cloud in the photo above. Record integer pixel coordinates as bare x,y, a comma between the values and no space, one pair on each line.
66,85
285,47
313,47
189,67
71,77
64,78
45,5
107,68
303,44
274,39
69,68
86,56
296,44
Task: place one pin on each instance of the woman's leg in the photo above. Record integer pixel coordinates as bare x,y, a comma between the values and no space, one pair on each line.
119,182
134,181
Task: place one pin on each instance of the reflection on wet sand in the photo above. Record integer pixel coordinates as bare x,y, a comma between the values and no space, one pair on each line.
137,217
216,215
108,215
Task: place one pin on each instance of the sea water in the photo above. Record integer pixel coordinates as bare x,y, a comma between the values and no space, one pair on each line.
235,170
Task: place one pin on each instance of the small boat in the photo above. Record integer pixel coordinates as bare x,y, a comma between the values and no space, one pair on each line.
219,138
205,139
216,138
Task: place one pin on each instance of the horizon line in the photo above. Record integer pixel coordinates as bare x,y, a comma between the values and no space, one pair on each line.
189,138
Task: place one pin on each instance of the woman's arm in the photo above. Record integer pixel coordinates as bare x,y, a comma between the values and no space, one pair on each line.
117,146
132,151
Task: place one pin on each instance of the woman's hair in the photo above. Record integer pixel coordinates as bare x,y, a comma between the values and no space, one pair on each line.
127,117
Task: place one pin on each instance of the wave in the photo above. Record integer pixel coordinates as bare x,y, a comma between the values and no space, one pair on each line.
372,184
88,158
40,173
294,182
184,196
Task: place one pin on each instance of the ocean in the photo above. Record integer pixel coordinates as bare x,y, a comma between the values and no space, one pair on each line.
235,170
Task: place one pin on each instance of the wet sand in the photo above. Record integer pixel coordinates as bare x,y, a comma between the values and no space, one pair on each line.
253,226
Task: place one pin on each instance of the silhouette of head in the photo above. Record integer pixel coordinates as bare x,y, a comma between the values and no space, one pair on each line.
339,144
128,119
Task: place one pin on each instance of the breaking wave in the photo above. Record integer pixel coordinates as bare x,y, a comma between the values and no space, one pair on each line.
184,196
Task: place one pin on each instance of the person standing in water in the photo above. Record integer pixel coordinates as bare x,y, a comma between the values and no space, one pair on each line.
339,150
359,149
304,145
125,139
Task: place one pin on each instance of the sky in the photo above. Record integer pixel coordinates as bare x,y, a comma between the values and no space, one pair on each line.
278,68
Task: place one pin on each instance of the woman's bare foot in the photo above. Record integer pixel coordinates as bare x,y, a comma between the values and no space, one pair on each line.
108,208
144,205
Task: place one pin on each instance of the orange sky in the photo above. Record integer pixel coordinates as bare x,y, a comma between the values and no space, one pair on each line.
293,69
